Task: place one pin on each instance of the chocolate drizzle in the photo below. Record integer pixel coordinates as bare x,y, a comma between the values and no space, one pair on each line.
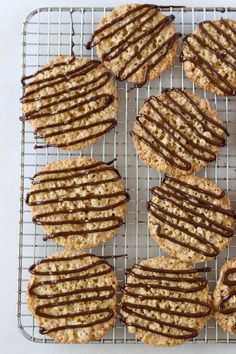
226,56
146,281
188,209
72,32
80,294
144,13
223,305
191,121
62,176
41,71
77,97
57,79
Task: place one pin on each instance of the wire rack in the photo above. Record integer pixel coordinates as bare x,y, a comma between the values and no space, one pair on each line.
47,33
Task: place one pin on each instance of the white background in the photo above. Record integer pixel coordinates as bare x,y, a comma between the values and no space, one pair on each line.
12,14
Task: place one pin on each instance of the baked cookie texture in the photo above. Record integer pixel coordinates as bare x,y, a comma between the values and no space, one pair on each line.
209,56
224,297
165,301
177,133
73,296
136,42
70,103
190,218
79,203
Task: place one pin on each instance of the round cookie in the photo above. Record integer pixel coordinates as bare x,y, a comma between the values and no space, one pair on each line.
166,302
177,133
224,297
70,103
209,56
73,296
79,203
136,42
190,218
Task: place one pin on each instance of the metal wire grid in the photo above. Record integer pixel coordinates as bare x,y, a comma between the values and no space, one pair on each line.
47,33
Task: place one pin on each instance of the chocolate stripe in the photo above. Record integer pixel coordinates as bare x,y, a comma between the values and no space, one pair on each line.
177,193
126,42
72,199
117,222
220,229
220,51
222,32
112,123
107,98
90,294
148,12
170,299
70,95
110,24
228,26
72,32
81,70
67,175
224,300
144,290
189,119
59,79
180,110
212,51
166,46
214,251
229,309
110,314
48,68
167,154
211,37
107,75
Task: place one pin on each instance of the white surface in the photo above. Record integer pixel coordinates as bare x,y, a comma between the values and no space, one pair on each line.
12,15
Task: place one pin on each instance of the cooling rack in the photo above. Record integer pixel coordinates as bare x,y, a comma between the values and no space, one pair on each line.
47,32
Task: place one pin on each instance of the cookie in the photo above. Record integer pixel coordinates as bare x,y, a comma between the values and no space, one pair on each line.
72,296
136,42
166,302
177,133
190,218
209,56
79,203
224,297
71,103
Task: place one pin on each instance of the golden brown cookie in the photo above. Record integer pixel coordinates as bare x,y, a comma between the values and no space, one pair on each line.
177,133
72,296
209,56
190,218
70,103
79,203
224,297
166,302
136,42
